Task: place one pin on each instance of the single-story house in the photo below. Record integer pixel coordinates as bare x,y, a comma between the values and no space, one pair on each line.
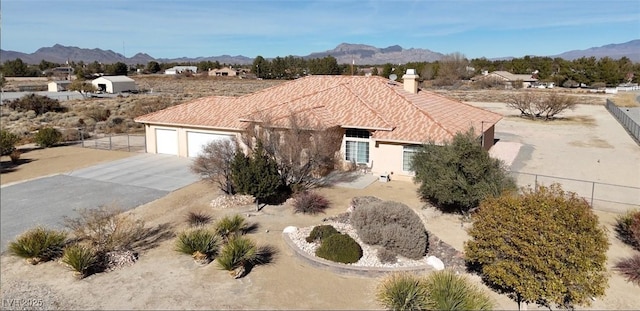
115,84
508,78
224,72
383,122
58,86
180,69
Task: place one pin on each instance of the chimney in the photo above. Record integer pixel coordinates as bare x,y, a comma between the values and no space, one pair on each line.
410,81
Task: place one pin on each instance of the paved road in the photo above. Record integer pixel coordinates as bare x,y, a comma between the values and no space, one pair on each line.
126,183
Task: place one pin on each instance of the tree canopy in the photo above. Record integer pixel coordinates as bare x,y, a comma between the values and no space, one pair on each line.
543,247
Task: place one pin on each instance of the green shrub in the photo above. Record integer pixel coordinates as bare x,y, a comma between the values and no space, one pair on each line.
80,259
308,202
392,225
449,291
321,232
107,229
340,248
48,137
630,268
38,244
8,142
628,228
238,252
197,219
200,240
402,291
230,226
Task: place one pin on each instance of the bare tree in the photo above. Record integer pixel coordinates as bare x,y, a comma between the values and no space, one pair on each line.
453,67
541,106
302,152
214,164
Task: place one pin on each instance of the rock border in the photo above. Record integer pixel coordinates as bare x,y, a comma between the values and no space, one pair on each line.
349,269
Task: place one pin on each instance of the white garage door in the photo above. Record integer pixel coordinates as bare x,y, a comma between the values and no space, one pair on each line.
166,141
197,140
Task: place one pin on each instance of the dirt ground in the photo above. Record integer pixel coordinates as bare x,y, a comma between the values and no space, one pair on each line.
165,279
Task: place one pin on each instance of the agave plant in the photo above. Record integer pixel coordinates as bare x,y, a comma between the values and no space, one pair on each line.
450,291
230,226
402,291
38,244
80,259
201,243
239,252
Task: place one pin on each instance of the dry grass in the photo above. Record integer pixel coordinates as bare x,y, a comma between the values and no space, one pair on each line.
626,99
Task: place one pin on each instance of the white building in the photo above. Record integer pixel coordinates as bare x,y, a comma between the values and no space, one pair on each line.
58,86
115,84
180,69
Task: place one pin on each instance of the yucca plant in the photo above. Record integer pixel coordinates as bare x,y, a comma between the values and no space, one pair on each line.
630,268
38,244
202,244
402,291
198,219
238,252
450,291
230,226
80,259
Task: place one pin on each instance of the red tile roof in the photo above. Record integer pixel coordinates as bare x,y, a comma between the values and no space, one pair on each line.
348,101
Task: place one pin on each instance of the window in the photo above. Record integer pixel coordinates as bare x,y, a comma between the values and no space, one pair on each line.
357,133
357,151
407,155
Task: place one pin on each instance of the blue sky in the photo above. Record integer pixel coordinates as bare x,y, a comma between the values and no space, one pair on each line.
192,28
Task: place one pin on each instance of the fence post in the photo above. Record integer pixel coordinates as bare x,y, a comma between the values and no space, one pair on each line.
593,188
82,137
535,186
110,148
128,143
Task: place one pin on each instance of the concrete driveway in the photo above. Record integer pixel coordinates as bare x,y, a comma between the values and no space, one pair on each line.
125,183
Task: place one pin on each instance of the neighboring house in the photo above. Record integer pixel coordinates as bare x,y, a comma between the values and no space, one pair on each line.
180,69
225,72
508,78
58,86
59,72
115,84
383,123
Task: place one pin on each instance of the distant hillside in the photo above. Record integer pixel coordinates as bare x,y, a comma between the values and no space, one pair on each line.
345,53
362,54
629,49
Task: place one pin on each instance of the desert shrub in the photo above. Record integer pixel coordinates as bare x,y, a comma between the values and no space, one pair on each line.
321,232
106,229
541,106
144,106
363,201
308,202
38,244
386,256
15,156
197,219
392,225
238,252
80,259
450,291
48,137
214,164
8,142
340,248
37,103
489,83
198,242
628,228
98,114
630,268
455,177
402,291
230,226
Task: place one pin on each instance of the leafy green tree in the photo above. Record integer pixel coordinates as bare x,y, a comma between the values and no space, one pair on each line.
256,175
117,69
459,174
15,68
153,67
8,142
261,67
83,87
543,247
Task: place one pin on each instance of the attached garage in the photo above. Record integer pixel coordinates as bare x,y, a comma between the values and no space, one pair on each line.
197,140
167,141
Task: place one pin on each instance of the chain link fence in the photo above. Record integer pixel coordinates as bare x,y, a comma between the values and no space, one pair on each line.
602,196
131,142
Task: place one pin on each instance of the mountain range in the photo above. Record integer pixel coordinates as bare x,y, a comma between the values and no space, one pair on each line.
345,53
